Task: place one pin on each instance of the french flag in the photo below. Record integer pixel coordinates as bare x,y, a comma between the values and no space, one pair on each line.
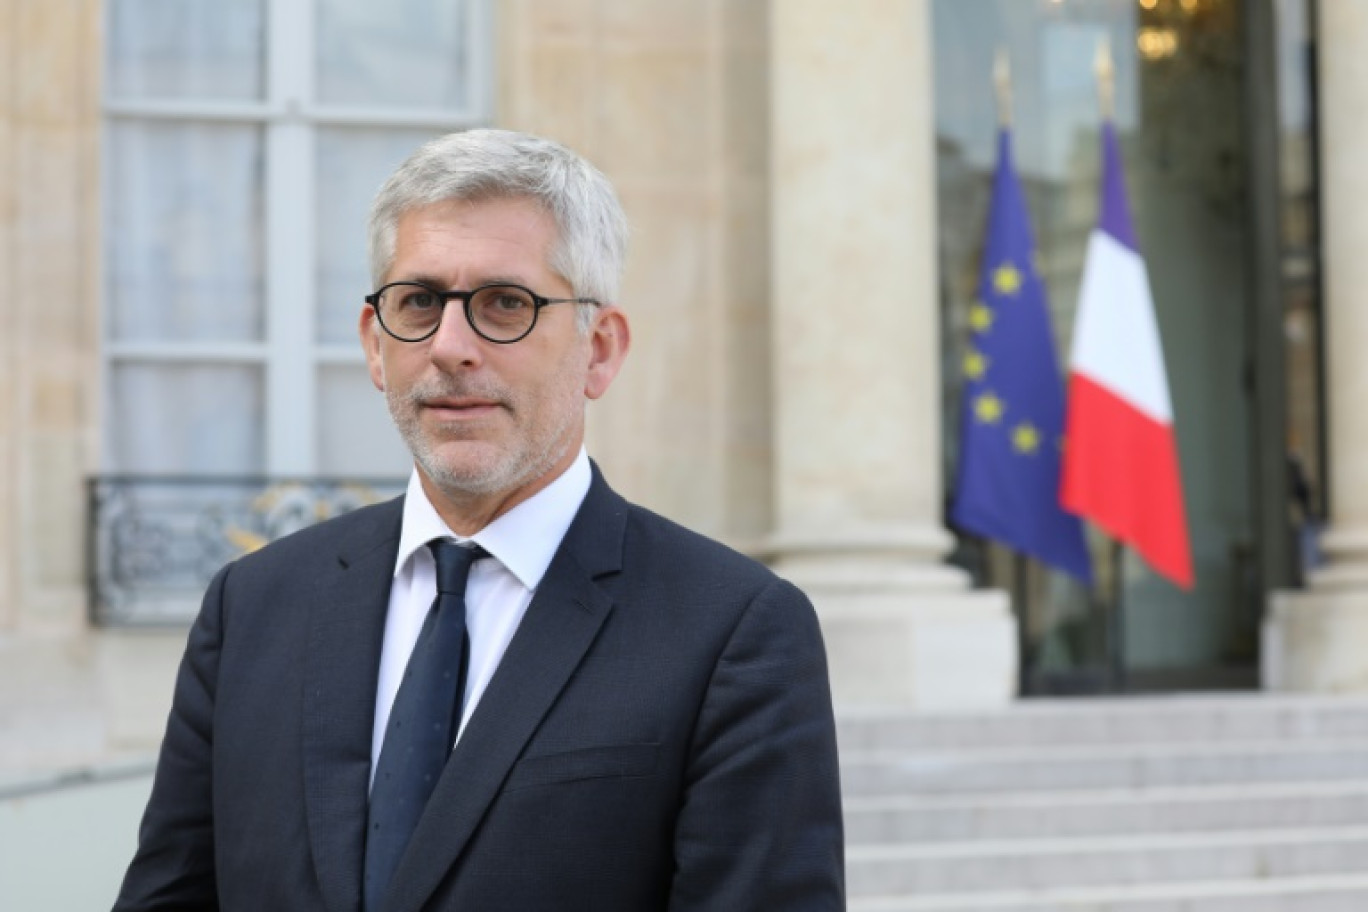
1120,453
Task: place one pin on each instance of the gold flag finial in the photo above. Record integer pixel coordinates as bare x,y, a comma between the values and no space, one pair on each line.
1106,79
1002,85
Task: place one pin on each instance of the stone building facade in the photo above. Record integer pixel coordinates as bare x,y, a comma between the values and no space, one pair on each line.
777,160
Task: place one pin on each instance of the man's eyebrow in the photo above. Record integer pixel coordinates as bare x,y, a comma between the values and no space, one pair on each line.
440,284
506,280
422,279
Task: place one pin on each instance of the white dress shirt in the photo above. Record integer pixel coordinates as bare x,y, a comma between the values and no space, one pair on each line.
521,543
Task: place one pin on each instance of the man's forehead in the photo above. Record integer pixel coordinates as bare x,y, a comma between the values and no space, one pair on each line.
468,206
515,240
515,221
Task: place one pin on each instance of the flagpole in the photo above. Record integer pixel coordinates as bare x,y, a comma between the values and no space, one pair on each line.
1002,91
1020,595
1116,639
1106,79
1002,87
1116,642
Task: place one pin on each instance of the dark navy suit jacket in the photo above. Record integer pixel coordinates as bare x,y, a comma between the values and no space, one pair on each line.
658,736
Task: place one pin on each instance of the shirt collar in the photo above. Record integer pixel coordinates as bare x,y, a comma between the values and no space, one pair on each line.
524,539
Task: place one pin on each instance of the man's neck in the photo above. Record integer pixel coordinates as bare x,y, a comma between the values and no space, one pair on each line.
465,514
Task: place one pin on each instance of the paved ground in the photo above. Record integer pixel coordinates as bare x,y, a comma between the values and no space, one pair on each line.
85,699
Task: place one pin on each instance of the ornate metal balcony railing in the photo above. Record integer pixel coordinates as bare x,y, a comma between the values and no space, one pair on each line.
155,542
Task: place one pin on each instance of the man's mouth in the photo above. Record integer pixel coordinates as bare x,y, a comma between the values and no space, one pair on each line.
461,408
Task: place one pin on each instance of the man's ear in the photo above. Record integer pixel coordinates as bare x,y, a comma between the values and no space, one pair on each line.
609,340
370,332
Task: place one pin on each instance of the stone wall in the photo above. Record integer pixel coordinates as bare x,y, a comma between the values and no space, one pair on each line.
671,101
50,271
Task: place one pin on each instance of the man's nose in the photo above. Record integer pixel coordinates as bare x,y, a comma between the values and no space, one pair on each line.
456,344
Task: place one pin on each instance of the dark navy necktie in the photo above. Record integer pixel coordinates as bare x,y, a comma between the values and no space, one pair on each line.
422,723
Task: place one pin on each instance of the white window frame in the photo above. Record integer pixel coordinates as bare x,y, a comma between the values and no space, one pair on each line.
290,355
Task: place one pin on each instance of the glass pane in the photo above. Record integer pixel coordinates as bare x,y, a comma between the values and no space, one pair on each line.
203,49
183,239
355,435
352,163
410,53
1301,255
196,419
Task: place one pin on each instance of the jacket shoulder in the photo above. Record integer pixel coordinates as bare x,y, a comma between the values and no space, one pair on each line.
687,553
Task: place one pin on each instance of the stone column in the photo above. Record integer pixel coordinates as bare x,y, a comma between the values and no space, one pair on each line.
67,694
1317,639
50,267
856,353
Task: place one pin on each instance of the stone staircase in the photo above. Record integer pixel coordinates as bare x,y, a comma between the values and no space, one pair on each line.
1254,803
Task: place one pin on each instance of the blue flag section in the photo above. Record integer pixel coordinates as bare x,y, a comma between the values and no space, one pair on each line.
1012,424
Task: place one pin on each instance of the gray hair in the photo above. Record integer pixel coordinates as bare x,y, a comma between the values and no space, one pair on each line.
489,164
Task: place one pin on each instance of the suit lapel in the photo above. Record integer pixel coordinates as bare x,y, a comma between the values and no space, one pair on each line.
346,627
561,623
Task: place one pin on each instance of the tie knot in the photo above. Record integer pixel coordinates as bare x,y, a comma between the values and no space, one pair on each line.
453,564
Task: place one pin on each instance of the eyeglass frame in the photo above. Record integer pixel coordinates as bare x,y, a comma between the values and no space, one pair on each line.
465,297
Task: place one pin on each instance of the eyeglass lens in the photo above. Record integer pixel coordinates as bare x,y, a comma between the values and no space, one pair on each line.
498,312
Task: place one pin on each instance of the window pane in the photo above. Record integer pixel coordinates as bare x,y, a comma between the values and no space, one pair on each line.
352,163
355,435
176,418
186,49
183,239
409,53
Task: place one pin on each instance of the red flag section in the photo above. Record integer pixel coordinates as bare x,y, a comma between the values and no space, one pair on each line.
1121,472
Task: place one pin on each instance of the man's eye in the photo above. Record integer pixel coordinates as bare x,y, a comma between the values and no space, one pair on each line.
509,302
418,299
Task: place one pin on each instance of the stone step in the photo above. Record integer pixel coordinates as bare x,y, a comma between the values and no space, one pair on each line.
1102,767
1311,894
1103,861
1044,815
1119,720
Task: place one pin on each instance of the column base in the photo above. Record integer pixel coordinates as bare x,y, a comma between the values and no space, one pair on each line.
87,698
137,672
924,647
1316,641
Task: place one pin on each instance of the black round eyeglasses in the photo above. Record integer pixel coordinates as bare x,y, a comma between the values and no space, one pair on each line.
502,313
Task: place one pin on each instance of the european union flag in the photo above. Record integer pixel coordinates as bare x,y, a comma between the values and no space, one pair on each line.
1013,413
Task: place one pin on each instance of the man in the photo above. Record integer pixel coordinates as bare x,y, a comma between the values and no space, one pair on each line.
641,717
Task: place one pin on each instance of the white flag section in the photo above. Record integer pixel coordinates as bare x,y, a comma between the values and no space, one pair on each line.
1116,343
1120,455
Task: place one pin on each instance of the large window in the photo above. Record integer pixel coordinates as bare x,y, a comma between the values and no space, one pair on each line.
244,140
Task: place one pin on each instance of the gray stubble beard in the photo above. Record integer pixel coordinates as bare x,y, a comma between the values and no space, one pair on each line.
528,465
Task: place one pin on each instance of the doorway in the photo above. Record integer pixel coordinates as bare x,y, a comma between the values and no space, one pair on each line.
1200,91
